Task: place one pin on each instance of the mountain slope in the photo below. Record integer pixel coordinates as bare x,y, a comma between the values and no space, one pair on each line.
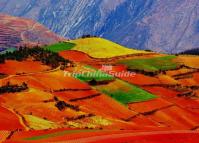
84,99
163,26
15,32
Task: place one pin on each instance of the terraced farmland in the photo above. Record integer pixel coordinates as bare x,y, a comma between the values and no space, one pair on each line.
59,107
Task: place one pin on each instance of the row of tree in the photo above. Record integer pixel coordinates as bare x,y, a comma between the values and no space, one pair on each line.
38,54
9,88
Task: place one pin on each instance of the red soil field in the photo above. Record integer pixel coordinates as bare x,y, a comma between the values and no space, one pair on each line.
144,121
162,92
169,112
57,80
71,95
75,56
47,81
116,137
175,118
171,96
196,77
148,138
140,79
8,120
188,82
150,105
32,102
114,68
13,67
106,107
31,81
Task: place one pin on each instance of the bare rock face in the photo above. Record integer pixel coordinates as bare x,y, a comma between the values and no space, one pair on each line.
15,32
170,26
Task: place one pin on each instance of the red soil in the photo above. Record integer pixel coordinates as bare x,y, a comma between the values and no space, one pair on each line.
105,106
114,137
144,121
71,95
171,96
149,138
162,92
13,67
57,80
148,106
175,118
140,79
47,81
196,77
31,81
188,82
75,56
33,103
8,120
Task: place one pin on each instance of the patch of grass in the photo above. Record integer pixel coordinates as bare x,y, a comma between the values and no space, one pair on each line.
60,47
126,93
152,64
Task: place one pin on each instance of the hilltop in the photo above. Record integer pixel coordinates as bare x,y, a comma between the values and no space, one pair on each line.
95,47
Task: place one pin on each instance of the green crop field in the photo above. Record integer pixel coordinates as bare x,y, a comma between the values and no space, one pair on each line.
60,46
125,93
152,64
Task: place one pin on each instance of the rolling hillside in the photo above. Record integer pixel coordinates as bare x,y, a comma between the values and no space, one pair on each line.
48,103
